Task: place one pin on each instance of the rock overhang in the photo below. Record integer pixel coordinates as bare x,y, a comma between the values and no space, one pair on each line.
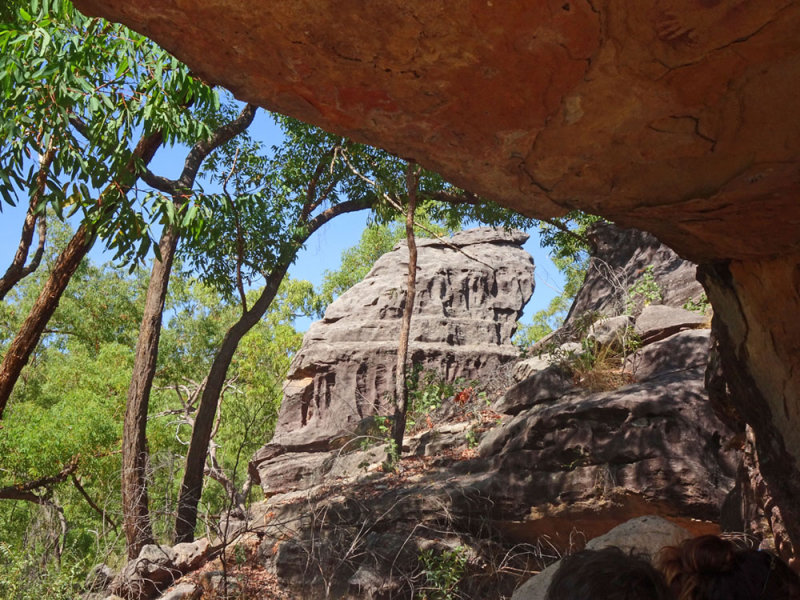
675,117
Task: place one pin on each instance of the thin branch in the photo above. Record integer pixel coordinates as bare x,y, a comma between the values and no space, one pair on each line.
162,184
464,197
10,492
80,125
311,189
76,482
35,215
221,136
564,229
396,205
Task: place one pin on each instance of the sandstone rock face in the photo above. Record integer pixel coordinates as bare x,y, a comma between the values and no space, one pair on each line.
623,259
470,292
680,351
658,322
600,458
562,464
570,468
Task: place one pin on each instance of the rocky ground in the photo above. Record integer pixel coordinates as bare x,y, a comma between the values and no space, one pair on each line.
607,421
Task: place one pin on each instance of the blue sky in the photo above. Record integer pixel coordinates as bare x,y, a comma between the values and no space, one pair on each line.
322,252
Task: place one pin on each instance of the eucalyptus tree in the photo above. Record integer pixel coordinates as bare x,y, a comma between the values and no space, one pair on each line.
94,102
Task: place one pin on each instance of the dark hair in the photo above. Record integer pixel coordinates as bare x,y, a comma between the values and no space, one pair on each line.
711,568
607,574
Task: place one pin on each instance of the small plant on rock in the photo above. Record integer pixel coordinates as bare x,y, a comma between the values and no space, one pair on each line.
443,573
644,291
701,305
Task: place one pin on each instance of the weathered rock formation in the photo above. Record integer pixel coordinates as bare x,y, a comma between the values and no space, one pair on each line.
672,116
553,461
620,259
676,117
561,469
157,567
471,290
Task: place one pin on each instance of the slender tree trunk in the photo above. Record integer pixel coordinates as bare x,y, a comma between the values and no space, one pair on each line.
192,486
28,336
138,530
401,390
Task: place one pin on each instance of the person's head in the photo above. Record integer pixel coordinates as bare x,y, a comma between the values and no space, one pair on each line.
711,568
607,574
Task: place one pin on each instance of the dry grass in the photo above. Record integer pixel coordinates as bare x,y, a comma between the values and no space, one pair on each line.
605,374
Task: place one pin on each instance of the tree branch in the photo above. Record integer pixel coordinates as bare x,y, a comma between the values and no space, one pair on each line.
17,269
564,229
396,205
162,184
24,491
221,136
76,482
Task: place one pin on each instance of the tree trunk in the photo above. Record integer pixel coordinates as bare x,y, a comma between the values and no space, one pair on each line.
401,389
192,486
138,530
28,336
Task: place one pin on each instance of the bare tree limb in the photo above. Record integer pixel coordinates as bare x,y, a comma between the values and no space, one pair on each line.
76,482
24,491
401,388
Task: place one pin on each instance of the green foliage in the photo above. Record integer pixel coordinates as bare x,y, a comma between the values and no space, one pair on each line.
426,391
566,237
472,437
392,456
87,89
701,305
23,578
443,573
543,322
71,402
644,291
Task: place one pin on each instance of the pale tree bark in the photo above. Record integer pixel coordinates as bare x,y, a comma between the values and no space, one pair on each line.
401,389
192,485
27,338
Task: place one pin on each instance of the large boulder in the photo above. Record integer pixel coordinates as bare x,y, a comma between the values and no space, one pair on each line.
621,259
643,535
595,460
158,567
471,289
